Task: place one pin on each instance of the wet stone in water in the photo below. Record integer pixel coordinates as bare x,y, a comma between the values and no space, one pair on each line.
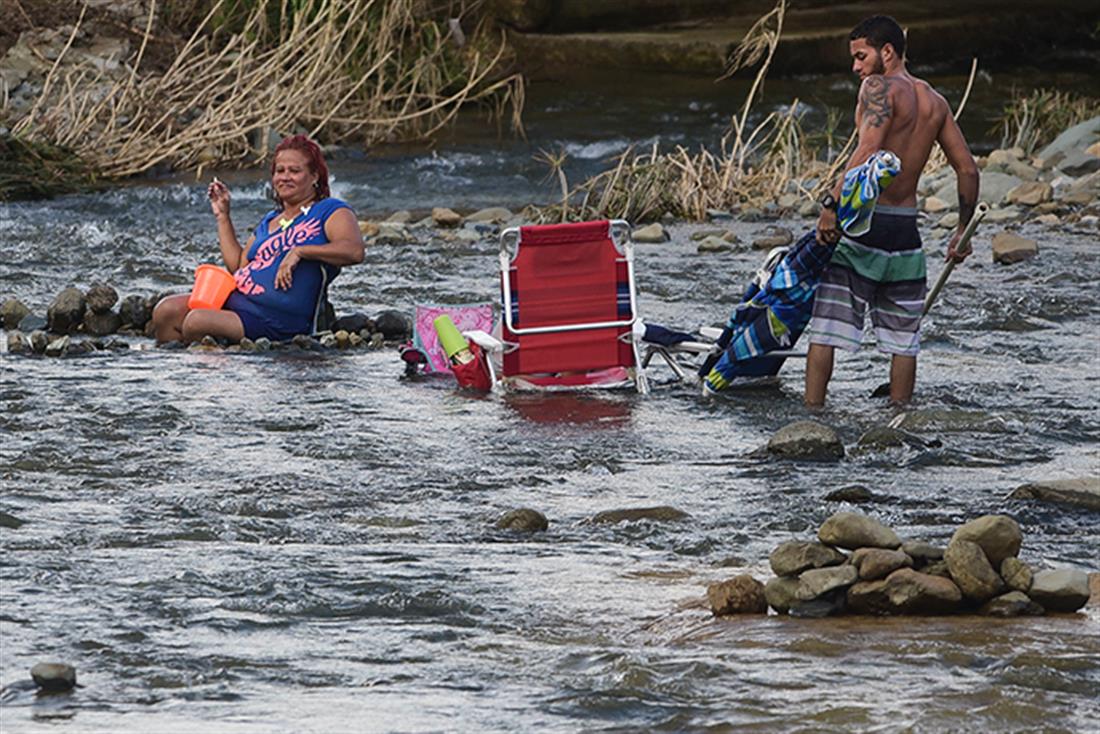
853,530
878,563
971,570
12,312
1012,604
523,520
806,440
1062,590
101,298
662,513
853,493
998,535
795,556
1016,574
66,312
740,595
54,676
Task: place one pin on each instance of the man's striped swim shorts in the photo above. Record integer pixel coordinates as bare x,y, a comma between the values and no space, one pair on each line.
881,272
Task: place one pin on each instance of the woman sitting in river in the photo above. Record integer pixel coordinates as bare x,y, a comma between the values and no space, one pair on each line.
283,270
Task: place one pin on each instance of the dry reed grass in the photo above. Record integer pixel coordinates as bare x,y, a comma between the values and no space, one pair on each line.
368,70
1032,120
753,167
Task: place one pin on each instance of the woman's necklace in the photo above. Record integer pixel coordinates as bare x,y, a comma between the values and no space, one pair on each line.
284,222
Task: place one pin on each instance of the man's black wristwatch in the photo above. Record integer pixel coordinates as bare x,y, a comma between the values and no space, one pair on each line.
827,201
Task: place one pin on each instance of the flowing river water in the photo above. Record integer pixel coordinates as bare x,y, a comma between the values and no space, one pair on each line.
304,542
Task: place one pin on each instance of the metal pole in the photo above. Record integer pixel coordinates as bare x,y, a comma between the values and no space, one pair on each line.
964,246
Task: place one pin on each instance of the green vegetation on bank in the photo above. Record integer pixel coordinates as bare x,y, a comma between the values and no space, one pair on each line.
31,170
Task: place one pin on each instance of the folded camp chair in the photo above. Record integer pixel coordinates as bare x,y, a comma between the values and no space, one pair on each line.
569,308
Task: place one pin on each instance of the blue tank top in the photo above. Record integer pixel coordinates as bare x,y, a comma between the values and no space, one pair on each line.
291,311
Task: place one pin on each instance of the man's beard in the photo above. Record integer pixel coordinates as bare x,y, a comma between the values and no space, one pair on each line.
879,68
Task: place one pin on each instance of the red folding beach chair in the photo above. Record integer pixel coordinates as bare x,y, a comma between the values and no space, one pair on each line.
569,307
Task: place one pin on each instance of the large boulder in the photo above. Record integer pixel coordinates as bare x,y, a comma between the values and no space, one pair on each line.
1061,590
905,591
853,530
921,552
66,312
393,324
1078,137
740,595
782,593
994,186
806,440
878,563
970,569
795,556
651,234
1082,492
998,535
818,582
54,676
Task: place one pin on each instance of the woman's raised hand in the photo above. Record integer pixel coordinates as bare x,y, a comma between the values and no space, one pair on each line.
218,193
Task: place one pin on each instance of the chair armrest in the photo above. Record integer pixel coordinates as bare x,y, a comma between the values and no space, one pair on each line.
710,332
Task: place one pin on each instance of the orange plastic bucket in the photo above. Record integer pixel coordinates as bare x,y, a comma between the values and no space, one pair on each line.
212,286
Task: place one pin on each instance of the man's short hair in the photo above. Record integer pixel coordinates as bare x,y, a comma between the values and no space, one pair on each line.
879,30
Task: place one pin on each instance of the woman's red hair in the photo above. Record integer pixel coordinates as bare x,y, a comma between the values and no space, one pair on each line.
314,159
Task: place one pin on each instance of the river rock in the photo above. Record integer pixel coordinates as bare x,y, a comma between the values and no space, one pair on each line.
781,593
905,591
523,520
1030,193
702,234
134,312
773,236
820,581
806,440
10,521
740,595
1094,589
54,676
795,556
971,570
853,530
393,325
922,553
17,343
948,419
12,312
853,493
998,535
827,605
38,341
1082,492
101,298
713,244
31,322
354,322
1012,604
1062,590
884,437
878,563
650,234
101,324
401,216
937,568
1016,574
949,220
491,215
994,187
663,513
446,218
368,229
1078,137
58,346
1079,163
1009,248
66,312
935,205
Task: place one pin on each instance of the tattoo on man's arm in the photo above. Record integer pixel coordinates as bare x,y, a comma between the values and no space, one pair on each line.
966,210
875,100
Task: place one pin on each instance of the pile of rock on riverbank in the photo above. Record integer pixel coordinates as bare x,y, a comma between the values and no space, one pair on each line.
978,572
92,314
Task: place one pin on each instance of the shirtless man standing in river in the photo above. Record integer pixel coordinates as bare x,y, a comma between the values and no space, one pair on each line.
883,271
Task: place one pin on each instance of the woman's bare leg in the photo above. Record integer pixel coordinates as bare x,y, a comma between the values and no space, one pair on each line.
208,322
168,316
